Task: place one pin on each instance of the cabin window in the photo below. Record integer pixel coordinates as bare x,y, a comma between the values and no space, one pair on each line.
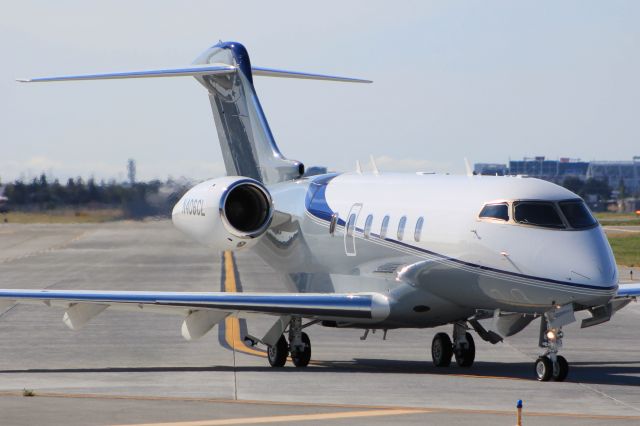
498,211
538,214
367,226
418,231
401,225
577,214
351,224
383,227
332,224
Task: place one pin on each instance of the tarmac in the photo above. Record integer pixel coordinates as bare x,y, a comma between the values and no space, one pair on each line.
127,368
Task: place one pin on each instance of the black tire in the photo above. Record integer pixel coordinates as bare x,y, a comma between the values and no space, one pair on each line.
561,370
302,358
441,350
277,354
466,356
544,369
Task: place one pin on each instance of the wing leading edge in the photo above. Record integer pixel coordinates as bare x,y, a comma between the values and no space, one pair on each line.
202,311
628,290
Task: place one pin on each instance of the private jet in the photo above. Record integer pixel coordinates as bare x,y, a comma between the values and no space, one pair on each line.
370,250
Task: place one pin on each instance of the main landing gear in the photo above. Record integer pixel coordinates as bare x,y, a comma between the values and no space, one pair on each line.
463,347
550,365
299,347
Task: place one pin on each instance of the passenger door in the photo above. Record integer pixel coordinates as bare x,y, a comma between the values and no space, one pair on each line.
350,230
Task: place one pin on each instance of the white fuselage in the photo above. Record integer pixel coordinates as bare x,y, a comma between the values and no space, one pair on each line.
457,263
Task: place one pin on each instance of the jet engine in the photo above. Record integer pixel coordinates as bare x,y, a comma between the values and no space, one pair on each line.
228,213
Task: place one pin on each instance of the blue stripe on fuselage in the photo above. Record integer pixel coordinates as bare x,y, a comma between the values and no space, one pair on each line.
316,201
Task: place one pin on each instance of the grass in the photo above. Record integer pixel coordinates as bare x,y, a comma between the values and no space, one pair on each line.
626,248
618,219
63,216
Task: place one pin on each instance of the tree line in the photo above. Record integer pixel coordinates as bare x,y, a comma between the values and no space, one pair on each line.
137,200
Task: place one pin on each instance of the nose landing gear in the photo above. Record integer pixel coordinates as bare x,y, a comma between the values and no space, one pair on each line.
550,365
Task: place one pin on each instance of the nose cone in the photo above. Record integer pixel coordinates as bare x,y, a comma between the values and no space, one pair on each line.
591,259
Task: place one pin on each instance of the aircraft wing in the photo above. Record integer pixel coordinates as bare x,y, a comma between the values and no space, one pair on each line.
628,290
202,311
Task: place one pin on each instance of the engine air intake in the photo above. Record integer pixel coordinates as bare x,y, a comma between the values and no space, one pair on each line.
246,209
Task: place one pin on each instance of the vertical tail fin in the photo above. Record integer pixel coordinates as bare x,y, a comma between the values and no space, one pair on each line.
247,144
248,147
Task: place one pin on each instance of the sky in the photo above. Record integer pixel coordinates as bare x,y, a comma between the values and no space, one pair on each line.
486,80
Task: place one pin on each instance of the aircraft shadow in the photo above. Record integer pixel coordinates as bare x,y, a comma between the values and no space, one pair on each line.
625,373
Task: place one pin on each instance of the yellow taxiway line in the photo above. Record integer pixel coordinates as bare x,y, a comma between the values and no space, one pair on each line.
232,324
358,407
289,418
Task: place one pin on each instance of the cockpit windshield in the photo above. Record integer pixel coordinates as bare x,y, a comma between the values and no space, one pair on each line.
577,214
496,211
537,213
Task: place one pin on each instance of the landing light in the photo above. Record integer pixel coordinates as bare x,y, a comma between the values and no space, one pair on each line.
551,335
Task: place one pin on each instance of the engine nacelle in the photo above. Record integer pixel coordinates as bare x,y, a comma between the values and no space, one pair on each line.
228,213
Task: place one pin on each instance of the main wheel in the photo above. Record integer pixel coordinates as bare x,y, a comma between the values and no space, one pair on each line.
466,355
544,369
302,358
441,350
277,354
561,369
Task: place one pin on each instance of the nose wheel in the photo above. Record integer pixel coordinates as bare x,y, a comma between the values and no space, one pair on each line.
546,369
551,366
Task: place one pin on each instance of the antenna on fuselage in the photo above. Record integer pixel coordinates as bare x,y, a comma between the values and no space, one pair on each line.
374,166
467,166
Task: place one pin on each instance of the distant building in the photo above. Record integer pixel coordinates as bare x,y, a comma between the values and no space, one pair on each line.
552,170
622,178
617,173
490,169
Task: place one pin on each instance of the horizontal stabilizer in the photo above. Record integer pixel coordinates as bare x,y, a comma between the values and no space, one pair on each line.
191,71
271,72
194,71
